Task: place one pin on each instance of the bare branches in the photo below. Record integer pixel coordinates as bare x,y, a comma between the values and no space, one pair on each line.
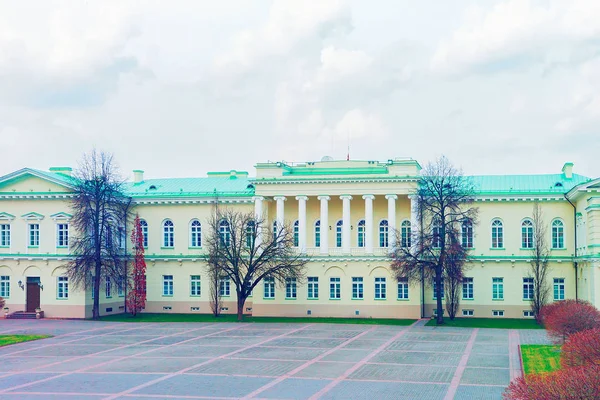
540,255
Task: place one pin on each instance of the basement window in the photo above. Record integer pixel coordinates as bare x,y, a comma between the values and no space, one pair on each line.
167,308
468,313
194,308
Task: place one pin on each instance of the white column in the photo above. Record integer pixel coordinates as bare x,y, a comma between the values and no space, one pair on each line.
280,217
414,219
391,198
368,223
324,224
346,223
302,223
258,217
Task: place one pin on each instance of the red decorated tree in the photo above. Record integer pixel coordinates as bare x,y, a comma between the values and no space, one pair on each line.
136,298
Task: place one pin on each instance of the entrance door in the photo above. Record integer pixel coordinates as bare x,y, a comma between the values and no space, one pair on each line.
33,294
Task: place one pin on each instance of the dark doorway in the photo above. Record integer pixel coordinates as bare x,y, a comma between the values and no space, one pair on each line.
33,293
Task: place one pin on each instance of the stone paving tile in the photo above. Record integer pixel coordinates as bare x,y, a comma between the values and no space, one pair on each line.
73,365
427,346
130,350
486,376
323,370
280,353
16,363
350,355
167,340
46,396
534,336
189,351
20,379
197,385
89,383
69,350
329,334
138,364
435,338
301,342
151,332
294,389
115,339
225,341
492,338
364,344
478,393
349,390
398,357
411,373
248,367
485,360
490,348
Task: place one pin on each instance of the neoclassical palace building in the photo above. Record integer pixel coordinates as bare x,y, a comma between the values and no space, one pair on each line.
344,215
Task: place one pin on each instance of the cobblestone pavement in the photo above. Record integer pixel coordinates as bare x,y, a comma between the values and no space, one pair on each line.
109,360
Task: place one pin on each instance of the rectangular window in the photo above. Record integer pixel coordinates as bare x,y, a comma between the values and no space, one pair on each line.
167,285
435,290
269,286
528,313
5,235
380,288
559,288
527,288
468,313
5,286
317,235
403,288
290,288
224,286
121,286
108,288
62,287
313,287
468,289
62,235
357,288
195,285
34,235
498,288
334,288
498,313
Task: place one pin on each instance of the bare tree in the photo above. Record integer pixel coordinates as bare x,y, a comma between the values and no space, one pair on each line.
247,251
453,276
444,202
100,212
214,276
540,255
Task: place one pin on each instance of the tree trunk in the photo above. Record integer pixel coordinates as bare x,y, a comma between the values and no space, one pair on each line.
438,295
96,289
240,308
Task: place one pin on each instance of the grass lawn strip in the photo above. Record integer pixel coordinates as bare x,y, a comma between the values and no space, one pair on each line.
539,358
148,317
498,323
5,340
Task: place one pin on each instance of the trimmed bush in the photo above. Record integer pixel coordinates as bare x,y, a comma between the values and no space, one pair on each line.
567,317
572,383
581,348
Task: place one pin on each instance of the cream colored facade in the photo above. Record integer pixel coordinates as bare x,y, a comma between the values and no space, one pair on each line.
359,206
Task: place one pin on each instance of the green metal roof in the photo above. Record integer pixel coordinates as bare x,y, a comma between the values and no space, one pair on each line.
66,179
193,187
525,184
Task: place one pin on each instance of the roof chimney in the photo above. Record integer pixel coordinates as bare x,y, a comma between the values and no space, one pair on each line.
138,176
567,170
62,170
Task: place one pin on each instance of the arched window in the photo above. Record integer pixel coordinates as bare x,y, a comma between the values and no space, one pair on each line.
144,226
338,233
527,234
497,234
250,233
168,234
405,234
436,232
467,234
195,234
383,233
225,233
296,234
558,234
318,234
361,233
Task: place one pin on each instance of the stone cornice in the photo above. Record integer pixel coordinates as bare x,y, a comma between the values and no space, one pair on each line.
283,181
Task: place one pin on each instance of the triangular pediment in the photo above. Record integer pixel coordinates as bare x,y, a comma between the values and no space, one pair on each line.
28,180
61,215
32,216
4,216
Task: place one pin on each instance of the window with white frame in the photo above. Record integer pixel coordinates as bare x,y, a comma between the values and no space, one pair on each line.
34,235
5,235
250,234
380,288
403,288
498,288
290,288
497,234
558,234
269,287
528,313
436,233
195,285
360,231
313,287
296,233
318,234
275,230
559,289
225,233
168,234
62,287
468,313
357,288
121,286
467,289
224,286
195,234
467,234
338,233
435,289
405,234
527,234
498,313
5,286
62,235
144,226
108,288
167,285
121,237
383,233
335,288
527,288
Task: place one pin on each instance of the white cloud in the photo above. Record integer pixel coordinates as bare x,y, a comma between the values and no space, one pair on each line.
338,64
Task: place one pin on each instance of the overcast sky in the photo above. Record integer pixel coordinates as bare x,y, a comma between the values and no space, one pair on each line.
179,88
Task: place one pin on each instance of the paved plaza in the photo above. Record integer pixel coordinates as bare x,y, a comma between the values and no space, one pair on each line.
109,360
